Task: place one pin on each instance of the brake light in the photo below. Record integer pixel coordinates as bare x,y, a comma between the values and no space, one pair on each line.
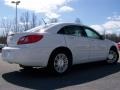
29,39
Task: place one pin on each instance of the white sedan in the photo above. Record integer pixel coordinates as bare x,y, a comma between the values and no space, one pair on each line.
58,47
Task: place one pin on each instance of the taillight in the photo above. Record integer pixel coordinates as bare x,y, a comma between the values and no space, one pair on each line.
29,39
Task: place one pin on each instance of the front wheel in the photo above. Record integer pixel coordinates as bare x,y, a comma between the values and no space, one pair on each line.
60,62
112,57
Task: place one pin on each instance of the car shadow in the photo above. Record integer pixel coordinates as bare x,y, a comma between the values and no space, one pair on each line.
80,74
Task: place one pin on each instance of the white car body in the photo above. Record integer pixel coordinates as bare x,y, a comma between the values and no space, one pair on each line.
83,49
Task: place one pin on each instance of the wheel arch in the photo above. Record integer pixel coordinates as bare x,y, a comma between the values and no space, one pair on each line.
60,49
114,48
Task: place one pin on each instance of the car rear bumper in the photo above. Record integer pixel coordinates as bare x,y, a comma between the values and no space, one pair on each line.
26,56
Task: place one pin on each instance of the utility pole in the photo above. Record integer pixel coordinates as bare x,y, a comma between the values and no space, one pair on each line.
16,3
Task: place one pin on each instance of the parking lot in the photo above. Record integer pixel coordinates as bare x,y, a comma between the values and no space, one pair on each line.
93,76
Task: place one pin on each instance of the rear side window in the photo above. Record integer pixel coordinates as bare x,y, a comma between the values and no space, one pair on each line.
72,30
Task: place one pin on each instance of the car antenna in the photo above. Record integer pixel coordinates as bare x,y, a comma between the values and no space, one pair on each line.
44,22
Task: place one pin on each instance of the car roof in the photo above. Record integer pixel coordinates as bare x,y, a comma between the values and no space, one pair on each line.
66,23
53,27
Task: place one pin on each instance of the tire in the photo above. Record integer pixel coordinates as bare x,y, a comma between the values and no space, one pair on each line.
60,62
112,57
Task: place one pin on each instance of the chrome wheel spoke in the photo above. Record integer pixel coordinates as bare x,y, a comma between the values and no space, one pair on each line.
61,63
112,57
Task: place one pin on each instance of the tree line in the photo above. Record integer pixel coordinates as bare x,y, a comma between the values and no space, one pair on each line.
113,37
30,20
26,21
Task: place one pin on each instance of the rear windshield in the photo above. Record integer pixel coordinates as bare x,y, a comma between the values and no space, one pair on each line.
37,29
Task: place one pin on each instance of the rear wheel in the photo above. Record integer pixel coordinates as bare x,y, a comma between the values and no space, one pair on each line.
60,62
112,57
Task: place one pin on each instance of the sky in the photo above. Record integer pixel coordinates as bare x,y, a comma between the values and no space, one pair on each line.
99,14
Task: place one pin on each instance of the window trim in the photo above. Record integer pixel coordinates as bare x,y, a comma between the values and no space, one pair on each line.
83,32
85,27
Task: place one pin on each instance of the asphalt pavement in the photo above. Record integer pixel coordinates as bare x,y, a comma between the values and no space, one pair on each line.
92,76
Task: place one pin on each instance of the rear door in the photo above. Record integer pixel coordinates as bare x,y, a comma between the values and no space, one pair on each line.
78,44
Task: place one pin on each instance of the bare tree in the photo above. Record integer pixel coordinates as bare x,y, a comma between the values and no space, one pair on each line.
6,25
34,20
28,20
39,22
25,20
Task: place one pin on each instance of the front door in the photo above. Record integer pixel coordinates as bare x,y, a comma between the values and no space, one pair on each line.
98,47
